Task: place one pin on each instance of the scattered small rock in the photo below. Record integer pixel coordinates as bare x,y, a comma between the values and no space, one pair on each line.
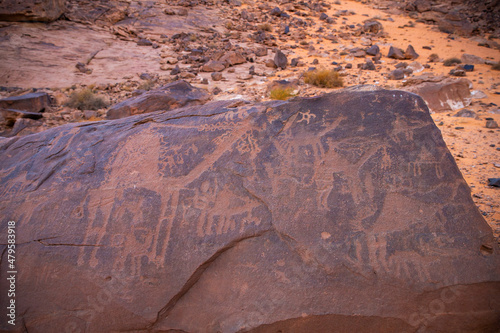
233,58
373,50
468,68
216,76
396,53
261,52
415,66
410,53
396,74
373,27
457,72
145,76
478,94
83,68
213,66
368,65
144,42
495,182
175,71
280,60
465,113
490,123
275,11
88,114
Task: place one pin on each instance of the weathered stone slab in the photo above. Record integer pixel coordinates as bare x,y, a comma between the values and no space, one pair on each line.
338,213
31,102
31,10
171,96
445,95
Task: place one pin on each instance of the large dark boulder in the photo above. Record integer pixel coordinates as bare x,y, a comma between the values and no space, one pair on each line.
31,10
340,213
171,96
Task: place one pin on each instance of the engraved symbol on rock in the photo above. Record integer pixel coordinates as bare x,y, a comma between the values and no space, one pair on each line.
306,116
248,144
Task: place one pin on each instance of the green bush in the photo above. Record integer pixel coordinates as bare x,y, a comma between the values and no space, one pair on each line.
324,78
86,99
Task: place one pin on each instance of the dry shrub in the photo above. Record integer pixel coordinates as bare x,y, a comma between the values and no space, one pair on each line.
451,61
324,78
265,27
229,25
434,57
147,85
94,118
86,99
281,93
496,66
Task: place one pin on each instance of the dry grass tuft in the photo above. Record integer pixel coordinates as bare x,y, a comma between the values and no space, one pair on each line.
324,78
434,57
86,99
281,93
265,27
147,85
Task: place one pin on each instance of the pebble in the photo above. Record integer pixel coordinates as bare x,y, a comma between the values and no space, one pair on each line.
490,123
495,182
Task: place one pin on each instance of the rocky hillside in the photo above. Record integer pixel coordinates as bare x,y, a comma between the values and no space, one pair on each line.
467,18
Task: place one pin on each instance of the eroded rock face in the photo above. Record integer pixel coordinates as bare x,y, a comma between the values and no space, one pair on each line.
445,94
171,96
31,10
101,12
31,102
339,212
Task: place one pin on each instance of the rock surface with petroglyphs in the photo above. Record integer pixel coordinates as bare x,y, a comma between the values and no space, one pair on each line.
343,212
